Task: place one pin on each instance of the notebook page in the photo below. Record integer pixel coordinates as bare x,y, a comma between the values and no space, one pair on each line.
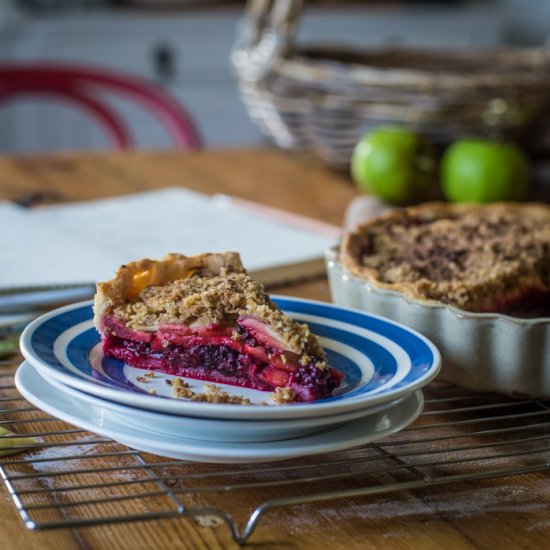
98,236
34,253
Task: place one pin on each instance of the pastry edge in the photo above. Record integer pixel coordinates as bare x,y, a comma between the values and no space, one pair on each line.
157,272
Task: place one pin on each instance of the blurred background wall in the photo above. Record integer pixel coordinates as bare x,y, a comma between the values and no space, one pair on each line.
184,46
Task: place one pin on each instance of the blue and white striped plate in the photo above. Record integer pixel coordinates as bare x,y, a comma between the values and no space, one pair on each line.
381,361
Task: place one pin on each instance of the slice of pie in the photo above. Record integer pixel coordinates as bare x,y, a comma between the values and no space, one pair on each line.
480,258
204,317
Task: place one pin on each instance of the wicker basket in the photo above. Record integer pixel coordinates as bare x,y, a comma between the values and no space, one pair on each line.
323,99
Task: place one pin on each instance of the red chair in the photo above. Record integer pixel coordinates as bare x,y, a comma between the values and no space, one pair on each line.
85,86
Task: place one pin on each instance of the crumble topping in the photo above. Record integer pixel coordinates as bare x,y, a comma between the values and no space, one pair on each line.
202,300
178,383
132,278
213,394
465,255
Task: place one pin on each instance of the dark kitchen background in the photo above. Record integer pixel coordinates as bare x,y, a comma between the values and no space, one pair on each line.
184,46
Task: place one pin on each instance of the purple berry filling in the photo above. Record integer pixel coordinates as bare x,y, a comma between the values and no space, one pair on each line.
320,382
214,363
223,364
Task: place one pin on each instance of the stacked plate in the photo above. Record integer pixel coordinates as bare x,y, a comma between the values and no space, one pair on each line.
385,364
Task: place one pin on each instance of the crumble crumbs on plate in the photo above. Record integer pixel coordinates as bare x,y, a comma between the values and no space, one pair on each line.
212,394
283,395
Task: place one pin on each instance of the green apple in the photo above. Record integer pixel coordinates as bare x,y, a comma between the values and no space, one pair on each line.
395,164
482,170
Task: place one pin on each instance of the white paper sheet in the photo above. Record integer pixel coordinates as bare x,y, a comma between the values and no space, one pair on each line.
85,242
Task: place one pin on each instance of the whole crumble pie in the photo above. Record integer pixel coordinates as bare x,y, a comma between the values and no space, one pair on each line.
481,258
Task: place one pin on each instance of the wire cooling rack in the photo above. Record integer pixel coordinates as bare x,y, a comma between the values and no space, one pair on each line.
72,478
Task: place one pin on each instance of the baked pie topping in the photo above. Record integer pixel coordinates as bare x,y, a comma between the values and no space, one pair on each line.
481,258
204,317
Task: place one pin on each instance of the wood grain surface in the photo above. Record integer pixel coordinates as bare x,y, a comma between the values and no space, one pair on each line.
506,512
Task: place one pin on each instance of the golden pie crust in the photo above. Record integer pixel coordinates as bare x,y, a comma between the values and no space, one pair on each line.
466,255
131,279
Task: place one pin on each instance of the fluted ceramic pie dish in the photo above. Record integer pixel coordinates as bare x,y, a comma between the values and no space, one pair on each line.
473,278
480,351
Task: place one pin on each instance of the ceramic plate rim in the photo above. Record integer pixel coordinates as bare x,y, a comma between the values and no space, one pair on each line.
237,452
316,422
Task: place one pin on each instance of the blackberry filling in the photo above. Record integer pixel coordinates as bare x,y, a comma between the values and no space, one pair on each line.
530,304
319,382
222,363
214,363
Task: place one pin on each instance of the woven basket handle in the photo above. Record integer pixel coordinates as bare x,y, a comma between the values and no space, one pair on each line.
264,35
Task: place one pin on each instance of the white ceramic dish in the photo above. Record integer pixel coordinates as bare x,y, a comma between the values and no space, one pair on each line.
206,429
480,351
96,419
381,361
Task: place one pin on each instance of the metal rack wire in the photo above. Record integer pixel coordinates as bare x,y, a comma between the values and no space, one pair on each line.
72,478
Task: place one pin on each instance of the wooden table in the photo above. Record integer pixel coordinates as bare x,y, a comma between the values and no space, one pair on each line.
506,512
